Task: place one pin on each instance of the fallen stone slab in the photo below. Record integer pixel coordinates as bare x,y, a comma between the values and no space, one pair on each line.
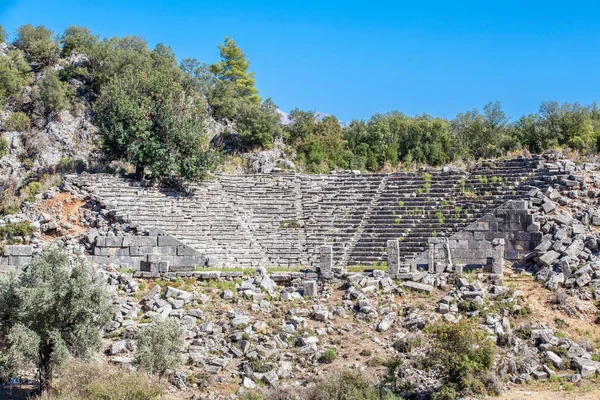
419,287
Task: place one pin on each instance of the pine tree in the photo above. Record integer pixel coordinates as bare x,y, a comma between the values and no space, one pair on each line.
233,68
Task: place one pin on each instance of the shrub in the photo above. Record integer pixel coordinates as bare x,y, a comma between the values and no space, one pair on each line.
53,95
15,74
30,191
15,229
347,385
18,121
328,356
3,147
464,355
10,204
37,44
3,35
159,345
95,381
70,165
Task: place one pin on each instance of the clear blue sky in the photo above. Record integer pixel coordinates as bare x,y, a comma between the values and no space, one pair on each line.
353,59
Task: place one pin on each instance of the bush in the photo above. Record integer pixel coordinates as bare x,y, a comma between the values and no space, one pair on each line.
30,191
37,44
53,95
15,229
18,121
10,204
15,74
347,385
3,35
464,354
94,381
3,147
159,345
328,356
69,165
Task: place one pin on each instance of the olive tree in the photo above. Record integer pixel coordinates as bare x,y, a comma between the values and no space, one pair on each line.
57,308
159,345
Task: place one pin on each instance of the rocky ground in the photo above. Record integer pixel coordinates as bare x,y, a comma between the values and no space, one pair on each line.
250,331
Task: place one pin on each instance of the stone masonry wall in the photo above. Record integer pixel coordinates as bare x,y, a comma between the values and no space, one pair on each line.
15,256
152,253
475,244
285,219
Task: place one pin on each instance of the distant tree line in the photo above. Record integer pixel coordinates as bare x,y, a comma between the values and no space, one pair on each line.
152,111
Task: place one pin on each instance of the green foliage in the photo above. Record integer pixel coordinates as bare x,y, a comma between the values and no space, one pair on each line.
159,345
3,35
18,121
37,44
31,190
15,74
53,95
153,119
257,125
16,229
3,147
233,68
319,144
78,39
328,356
61,306
70,165
465,356
347,385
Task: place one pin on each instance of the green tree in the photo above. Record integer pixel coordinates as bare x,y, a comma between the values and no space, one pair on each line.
53,95
57,307
257,125
159,345
233,68
15,74
78,39
37,44
153,119
3,35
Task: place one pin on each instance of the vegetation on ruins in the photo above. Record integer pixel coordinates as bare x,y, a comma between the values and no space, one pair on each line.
159,345
52,310
152,112
465,356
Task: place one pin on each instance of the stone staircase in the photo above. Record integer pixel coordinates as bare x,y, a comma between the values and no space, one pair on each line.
283,219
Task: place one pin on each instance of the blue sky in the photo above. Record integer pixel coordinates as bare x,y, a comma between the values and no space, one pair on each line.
353,59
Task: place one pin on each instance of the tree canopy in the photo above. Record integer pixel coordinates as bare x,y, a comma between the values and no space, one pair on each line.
56,307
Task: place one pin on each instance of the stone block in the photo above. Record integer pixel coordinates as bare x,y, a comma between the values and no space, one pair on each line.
140,241
18,250
148,266
393,257
326,262
168,241
19,261
113,241
183,250
419,287
309,288
140,250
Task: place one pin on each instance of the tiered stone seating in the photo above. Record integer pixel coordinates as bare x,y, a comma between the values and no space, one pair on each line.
283,219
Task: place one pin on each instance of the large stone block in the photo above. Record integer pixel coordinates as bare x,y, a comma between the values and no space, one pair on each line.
114,241
19,261
393,257
326,262
168,241
16,250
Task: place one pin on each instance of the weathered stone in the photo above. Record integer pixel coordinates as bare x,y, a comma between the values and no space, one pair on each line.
309,288
419,287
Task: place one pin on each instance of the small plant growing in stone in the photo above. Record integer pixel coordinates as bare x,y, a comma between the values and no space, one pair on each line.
328,356
440,217
427,177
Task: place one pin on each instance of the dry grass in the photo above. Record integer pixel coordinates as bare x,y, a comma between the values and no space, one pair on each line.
96,381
